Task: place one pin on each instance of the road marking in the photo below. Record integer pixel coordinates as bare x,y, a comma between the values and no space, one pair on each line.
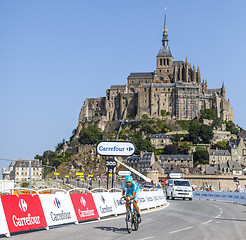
221,211
207,222
146,238
181,230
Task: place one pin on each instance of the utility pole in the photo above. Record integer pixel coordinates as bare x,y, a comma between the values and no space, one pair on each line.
30,173
30,169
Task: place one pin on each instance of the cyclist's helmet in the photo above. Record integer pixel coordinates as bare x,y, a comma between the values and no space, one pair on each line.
128,178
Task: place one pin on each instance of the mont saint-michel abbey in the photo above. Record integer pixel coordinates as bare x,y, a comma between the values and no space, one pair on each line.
174,86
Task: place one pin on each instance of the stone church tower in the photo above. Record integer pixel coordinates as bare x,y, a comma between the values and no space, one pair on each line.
175,87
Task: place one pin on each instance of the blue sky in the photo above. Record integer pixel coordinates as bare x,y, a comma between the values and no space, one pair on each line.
55,53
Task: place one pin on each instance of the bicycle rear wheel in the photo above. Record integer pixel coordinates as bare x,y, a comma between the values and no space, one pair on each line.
129,220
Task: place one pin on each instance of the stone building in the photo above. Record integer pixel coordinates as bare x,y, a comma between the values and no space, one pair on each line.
141,162
161,140
170,162
222,135
237,148
175,87
218,156
19,171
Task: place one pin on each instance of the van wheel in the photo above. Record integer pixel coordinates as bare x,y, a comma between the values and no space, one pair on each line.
167,197
171,196
190,199
183,198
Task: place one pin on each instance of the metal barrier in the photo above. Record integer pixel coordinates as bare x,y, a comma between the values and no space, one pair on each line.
237,197
79,190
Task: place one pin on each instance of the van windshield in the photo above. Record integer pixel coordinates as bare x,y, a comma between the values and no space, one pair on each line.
181,183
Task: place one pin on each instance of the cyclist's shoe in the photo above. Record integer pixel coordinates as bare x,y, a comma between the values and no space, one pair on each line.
139,218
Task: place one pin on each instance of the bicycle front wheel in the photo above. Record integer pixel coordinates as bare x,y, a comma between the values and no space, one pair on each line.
129,220
136,225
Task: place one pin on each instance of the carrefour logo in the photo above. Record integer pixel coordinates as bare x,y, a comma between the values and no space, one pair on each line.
57,203
102,199
116,148
82,201
23,205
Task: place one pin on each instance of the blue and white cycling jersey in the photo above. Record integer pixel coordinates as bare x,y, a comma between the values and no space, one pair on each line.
133,188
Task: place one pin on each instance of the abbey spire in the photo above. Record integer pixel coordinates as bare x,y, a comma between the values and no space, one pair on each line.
165,35
165,50
164,59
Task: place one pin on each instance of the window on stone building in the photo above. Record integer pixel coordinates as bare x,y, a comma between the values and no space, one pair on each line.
164,61
160,61
167,61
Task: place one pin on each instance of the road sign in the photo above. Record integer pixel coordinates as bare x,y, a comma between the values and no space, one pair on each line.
110,163
90,175
66,175
57,173
175,175
110,174
117,148
124,173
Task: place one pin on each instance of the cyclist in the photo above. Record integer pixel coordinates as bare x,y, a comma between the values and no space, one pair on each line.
131,188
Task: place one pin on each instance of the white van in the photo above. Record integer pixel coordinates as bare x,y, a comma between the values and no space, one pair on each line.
179,188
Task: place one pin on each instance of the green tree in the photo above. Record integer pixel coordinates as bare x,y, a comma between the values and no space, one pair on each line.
216,123
206,133
90,134
177,137
171,149
147,128
142,144
161,126
60,145
222,145
145,116
230,126
24,184
163,113
184,124
200,156
184,148
194,131
207,114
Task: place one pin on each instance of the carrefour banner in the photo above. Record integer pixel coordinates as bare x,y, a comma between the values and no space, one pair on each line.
156,198
3,224
104,203
142,201
150,199
23,212
119,204
58,208
162,197
84,206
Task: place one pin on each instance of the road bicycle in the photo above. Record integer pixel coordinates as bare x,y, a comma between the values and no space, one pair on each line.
131,217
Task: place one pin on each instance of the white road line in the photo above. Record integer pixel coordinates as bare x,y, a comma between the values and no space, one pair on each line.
181,230
207,222
146,238
221,211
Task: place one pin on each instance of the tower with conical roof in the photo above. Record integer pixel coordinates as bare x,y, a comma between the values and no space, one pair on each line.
164,59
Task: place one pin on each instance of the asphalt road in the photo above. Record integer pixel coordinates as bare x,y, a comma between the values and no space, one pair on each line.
197,219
